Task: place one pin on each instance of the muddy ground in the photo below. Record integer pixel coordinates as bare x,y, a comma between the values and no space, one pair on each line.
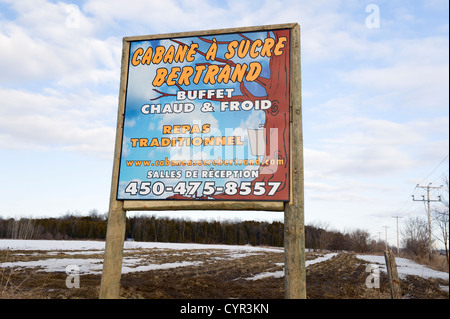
214,276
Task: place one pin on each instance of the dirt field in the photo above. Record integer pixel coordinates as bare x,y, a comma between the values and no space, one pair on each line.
213,274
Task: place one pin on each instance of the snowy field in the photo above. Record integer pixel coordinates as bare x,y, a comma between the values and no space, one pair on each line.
80,245
133,263
405,267
46,248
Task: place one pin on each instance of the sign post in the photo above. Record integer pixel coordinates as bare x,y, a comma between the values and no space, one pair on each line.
210,120
294,228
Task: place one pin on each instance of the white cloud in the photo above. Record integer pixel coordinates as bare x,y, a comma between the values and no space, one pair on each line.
419,86
149,17
39,45
46,121
54,76
373,148
417,73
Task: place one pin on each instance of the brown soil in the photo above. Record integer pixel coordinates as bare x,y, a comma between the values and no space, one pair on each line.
216,276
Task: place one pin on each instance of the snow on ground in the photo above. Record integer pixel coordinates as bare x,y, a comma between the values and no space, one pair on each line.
130,264
95,265
405,267
17,244
280,273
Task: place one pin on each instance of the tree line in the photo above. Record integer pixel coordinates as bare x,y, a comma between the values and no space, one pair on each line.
67,227
151,228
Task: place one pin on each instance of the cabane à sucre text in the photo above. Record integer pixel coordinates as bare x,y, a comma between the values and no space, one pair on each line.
210,73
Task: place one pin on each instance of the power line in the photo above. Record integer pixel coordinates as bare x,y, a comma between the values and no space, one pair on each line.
440,163
398,246
441,176
428,200
407,204
386,227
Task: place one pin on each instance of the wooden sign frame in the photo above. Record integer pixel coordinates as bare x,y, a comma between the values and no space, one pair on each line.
295,283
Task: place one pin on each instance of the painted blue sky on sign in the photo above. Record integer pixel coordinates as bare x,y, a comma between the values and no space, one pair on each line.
142,92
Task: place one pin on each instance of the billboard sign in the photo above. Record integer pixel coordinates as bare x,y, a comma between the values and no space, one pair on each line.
207,117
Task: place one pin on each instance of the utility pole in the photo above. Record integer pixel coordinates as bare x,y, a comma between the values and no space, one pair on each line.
398,246
385,229
428,200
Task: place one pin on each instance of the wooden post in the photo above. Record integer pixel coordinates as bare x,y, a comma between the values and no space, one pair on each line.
394,282
115,234
112,265
294,229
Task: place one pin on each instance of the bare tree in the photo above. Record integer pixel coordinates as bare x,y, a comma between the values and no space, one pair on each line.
415,236
360,240
319,235
21,229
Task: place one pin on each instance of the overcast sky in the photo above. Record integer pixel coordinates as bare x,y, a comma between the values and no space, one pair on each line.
375,95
